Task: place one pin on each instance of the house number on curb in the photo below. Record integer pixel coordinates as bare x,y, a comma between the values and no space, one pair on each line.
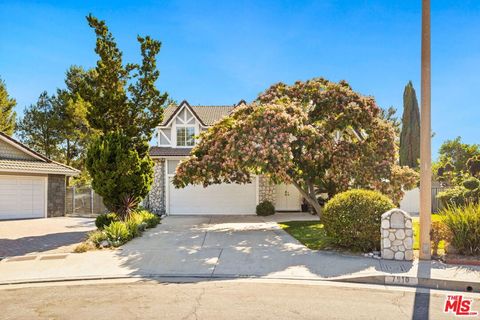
409,281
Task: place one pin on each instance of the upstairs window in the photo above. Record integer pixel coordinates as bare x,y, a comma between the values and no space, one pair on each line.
185,136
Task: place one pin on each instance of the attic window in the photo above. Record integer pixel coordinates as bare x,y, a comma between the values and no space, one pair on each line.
186,136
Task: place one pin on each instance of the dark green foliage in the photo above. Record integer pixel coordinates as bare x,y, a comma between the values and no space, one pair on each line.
265,208
452,196
467,192
464,226
352,219
7,113
471,183
38,128
473,166
118,170
124,97
125,106
410,135
56,125
104,220
452,165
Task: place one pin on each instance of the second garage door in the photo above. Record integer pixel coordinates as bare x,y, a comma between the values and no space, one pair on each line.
215,199
22,197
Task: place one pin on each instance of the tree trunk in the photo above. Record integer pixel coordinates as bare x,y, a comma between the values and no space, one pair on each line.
311,198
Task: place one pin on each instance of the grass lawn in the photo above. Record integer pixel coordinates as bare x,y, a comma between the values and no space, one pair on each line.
312,235
416,232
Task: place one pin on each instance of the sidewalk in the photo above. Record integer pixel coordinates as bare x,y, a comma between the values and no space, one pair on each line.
230,247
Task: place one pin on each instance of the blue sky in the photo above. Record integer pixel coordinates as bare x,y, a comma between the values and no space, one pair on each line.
219,52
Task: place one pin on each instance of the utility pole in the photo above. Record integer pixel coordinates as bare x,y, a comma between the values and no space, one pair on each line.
425,138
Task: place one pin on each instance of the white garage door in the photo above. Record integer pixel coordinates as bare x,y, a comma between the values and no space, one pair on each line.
22,197
215,199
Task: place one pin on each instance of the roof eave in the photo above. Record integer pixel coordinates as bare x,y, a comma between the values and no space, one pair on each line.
32,171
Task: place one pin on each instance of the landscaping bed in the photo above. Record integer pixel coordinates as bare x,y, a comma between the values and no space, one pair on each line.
312,234
114,232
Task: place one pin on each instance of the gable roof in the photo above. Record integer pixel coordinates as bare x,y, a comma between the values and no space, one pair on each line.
37,164
207,115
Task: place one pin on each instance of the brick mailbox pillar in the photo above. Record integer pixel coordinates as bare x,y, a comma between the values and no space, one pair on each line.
396,235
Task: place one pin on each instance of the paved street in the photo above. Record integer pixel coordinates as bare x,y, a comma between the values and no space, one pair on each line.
247,299
52,235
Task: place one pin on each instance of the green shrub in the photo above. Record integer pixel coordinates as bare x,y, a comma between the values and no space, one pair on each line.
265,208
149,218
464,226
352,219
117,233
105,219
458,196
96,237
135,224
133,228
471,183
119,170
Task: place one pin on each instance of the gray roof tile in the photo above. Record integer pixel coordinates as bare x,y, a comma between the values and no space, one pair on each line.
25,166
168,151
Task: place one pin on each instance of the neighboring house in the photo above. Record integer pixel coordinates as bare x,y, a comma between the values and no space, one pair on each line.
31,185
176,137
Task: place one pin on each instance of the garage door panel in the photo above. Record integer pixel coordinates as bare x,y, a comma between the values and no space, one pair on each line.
215,199
22,197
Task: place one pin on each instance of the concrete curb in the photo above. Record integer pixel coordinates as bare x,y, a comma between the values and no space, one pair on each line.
407,281
385,280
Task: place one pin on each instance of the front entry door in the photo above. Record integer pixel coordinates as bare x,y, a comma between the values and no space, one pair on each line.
287,198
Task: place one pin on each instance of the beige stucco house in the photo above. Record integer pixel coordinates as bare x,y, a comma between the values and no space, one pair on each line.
31,185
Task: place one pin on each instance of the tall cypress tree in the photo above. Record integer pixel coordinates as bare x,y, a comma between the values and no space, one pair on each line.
7,114
410,135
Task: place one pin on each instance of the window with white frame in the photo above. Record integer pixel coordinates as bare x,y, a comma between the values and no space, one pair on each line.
185,136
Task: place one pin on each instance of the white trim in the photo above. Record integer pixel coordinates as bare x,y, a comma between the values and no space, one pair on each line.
169,139
21,148
194,126
257,191
183,105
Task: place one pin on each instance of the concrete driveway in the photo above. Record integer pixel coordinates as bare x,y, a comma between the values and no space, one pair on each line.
52,235
231,246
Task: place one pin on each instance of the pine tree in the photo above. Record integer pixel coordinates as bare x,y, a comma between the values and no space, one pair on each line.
410,135
125,107
7,114
38,128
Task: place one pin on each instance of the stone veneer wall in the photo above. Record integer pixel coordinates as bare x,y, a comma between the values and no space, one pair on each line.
56,195
266,189
396,235
156,197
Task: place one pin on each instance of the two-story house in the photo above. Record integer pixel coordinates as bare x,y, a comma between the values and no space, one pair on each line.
175,139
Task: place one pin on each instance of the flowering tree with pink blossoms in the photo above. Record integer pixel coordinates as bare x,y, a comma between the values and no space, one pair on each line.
318,135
